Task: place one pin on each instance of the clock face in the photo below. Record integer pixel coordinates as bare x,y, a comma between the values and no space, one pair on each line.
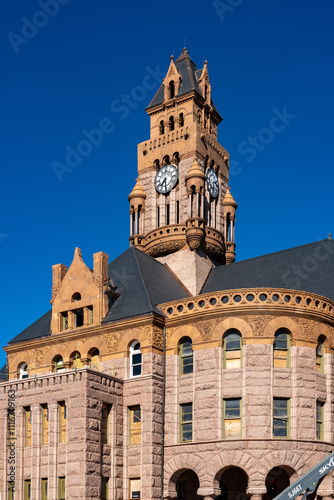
166,179
212,182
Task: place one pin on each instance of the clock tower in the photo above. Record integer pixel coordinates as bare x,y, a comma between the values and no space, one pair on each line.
181,209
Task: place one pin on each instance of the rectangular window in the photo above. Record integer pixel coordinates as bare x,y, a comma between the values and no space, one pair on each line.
27,489
78,315
281,417
61,488
45,424
27,426
232,418
320,420
104,488
186,422
134,488
44,489
64,321
11,489
177,212
135,425
62,422
90,313
105,423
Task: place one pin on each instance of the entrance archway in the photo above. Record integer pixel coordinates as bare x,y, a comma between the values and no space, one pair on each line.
187,485
278,478
233,484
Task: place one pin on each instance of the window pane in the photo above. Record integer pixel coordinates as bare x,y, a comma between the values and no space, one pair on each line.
232,344
136,359
136,370
187,365
280,428
281,344
136,415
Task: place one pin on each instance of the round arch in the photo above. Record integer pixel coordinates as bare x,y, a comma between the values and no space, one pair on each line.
130,336
184,331
232,482
282,322
90,344
232,324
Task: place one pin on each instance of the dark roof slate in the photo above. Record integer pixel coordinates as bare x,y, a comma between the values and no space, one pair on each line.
189,80
308,268
38,329
143,282
3,373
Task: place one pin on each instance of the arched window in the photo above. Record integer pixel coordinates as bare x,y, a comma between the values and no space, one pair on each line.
94,359
76,297
162,127
135,359
320,354
181,120
282,349
76,360
186,356
23,371
171,123
171,89
232,349
199,117
58,364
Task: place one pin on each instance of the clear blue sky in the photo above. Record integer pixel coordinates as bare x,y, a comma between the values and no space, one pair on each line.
63,77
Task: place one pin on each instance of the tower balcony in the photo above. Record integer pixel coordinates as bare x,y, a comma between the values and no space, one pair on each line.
169,239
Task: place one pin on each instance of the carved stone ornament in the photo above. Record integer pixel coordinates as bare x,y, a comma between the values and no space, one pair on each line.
206,328
167,247
39,355
169,334
112,340
258,323
55,290
154,335
307,327
102,282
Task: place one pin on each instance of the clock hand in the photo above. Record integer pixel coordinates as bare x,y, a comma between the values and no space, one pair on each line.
164,182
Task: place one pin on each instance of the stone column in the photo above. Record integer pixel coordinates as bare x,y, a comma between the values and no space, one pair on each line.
53,450
256,493
208,493
36,451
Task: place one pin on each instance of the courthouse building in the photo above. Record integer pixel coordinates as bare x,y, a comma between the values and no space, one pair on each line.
173,371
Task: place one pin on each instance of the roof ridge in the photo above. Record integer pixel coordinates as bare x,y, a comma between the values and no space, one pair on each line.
134,250
282,251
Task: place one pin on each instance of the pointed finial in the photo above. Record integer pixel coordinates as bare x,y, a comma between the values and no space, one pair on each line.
77,252
330,236
172,57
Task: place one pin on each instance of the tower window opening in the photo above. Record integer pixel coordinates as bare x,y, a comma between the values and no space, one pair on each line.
133,223
177,212
158,216
181,120
199,205
171,89
206,92
167,214
76,297
171,123
162,127
138,219
199,117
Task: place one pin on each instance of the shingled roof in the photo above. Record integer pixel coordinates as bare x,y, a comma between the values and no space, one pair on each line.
189,80
3,373
308,268
142,283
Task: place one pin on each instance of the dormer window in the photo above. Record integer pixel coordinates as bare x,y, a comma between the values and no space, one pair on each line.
76,297
171,89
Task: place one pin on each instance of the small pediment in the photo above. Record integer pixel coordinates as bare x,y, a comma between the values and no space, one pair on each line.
172,81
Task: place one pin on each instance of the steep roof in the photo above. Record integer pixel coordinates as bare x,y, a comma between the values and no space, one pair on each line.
142,282
38,329
189,80
308,268
3,373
